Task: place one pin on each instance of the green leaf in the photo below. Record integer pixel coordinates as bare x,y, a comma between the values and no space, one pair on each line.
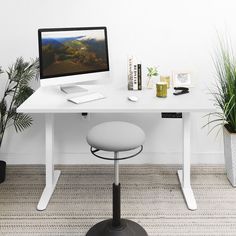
22,121
152,71
22,94
213,121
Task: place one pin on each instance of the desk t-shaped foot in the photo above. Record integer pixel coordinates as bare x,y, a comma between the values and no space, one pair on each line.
52,175
184,174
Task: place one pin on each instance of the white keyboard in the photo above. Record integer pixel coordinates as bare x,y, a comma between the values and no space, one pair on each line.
86,98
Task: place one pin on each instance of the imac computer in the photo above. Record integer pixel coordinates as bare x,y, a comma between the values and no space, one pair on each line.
69,56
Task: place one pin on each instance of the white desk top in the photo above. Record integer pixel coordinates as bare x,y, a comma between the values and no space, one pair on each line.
53,100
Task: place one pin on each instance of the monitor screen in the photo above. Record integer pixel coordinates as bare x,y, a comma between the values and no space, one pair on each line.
71,51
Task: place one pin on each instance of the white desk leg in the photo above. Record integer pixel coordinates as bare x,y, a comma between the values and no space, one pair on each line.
184,174
51,174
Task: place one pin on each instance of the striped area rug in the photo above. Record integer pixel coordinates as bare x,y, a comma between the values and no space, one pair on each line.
151,196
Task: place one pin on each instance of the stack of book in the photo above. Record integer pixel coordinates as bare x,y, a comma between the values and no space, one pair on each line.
134,74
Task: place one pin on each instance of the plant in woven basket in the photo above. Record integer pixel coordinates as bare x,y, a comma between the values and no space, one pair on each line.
16,91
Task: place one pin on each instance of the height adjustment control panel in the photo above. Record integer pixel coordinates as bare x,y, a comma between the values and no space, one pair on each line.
175,115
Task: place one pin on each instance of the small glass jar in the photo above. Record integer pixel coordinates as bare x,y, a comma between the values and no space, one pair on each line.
150,83
165,79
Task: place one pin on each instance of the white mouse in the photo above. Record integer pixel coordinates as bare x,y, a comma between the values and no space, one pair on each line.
133,98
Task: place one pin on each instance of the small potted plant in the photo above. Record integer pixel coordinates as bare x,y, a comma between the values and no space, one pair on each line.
16,91
152,71
225,101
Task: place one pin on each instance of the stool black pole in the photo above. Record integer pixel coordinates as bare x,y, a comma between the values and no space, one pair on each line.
117,226
116,194
116,205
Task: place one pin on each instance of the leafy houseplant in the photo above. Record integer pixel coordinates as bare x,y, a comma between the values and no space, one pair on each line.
152,71
225,100
16,91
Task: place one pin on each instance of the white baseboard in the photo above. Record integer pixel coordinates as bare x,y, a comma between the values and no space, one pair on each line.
88,158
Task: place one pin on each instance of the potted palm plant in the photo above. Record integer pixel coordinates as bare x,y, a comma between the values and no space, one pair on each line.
225,100
16,91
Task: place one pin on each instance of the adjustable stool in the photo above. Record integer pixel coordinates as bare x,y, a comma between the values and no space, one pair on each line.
116,137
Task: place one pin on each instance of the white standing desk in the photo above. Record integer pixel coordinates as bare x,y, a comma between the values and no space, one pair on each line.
50,101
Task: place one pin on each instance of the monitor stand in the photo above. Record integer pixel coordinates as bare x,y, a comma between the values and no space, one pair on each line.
72,88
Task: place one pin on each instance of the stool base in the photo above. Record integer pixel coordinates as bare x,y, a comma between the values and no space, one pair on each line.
127,228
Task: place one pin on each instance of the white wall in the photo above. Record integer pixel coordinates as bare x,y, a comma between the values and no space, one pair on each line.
170,34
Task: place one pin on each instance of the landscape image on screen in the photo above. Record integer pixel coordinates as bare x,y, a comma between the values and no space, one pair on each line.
71,52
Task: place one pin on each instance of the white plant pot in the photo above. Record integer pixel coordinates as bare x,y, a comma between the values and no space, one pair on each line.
230,155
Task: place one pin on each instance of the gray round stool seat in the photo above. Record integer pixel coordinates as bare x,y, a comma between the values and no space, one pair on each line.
116,136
